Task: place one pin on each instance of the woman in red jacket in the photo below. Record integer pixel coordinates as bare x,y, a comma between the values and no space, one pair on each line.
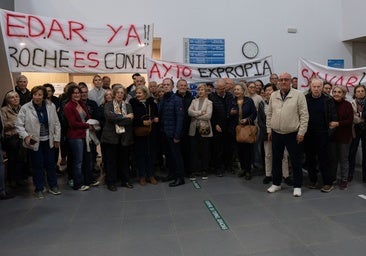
76,113
341,140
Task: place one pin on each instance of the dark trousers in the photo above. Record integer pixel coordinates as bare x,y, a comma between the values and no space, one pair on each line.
116,163
352,154
317,154
144,156
200,152
174,157
279,142
222,150
244,155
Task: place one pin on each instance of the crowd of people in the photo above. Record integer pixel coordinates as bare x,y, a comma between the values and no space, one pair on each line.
141,129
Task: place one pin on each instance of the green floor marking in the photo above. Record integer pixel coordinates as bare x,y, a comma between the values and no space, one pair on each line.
220,221
196,184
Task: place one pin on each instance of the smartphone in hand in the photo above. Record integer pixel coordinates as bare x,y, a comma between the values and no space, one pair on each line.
32,141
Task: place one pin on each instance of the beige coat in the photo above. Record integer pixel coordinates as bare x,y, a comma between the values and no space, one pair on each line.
289,115
196,115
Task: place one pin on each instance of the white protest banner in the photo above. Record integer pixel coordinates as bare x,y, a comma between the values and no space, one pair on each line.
43,44
157,70
348,78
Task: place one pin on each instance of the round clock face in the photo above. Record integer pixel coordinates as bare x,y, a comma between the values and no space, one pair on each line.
250,49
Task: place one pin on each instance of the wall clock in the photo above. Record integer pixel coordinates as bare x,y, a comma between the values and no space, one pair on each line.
250,49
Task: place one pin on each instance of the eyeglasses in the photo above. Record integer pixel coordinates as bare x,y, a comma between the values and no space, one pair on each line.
285,79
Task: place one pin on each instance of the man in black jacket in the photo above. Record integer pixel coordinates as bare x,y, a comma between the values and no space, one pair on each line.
322,111
222,139
186,96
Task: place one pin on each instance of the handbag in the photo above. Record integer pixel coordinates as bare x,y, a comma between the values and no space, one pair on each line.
144,130
120,129
246,133
203,127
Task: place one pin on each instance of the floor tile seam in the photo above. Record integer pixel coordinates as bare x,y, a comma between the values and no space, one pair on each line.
273,249
322,243
345,213
143,200
332,223
255,224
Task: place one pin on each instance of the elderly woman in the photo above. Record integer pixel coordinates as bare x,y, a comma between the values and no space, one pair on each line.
38,126
117,138
242,111
340,141
200,132
358,104
145,113
12,144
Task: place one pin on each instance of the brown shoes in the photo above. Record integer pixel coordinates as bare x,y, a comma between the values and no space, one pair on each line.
142,181
153,181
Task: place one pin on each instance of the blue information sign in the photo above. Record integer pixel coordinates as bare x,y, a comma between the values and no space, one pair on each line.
336,63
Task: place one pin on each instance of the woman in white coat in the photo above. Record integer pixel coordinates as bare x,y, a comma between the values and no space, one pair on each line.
38,126
200,132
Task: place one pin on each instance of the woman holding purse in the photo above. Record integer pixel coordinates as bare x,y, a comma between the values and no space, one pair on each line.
145,113
242,112
200,132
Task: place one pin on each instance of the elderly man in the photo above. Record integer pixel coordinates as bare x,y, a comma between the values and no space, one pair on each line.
287,122
106,82
222,140
187,97
21,89
322,112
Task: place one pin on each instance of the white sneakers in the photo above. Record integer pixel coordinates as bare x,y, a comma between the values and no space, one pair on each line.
297,192
273,189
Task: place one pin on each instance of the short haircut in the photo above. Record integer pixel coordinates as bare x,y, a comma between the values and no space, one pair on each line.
10,94
274,87
50,86
356,87
39,88
144,89
116,87
72,88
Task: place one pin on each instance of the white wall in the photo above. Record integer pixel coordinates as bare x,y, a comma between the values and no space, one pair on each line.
319,25
353,19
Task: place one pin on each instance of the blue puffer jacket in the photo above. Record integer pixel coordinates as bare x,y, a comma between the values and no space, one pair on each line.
171,115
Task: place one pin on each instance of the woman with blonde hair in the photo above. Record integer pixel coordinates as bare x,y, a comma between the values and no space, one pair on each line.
12,144
145,113
200,132
242,111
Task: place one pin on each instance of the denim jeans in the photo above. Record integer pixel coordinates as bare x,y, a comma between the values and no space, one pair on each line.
43,159
80,163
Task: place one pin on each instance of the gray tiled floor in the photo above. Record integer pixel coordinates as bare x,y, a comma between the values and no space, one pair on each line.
158,220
